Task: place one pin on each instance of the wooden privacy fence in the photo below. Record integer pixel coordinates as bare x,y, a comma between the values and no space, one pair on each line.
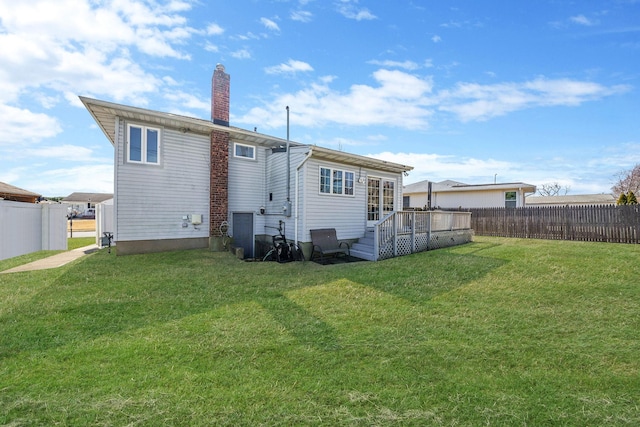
608,223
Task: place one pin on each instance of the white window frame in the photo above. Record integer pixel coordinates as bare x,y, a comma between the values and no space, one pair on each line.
333,173
239,156
143,144
511,201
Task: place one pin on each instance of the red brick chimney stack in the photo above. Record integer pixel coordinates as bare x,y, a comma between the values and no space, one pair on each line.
220,84
219,165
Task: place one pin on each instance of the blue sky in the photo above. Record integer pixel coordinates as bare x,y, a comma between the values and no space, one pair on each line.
539,92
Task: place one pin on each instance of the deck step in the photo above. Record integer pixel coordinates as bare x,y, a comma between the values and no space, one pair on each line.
363,248
362,254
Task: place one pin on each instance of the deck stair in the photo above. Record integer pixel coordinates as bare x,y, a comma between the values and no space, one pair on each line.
363,248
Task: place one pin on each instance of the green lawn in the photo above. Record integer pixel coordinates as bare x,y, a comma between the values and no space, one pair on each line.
496,332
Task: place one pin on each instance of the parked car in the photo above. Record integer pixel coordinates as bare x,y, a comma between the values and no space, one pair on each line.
88,214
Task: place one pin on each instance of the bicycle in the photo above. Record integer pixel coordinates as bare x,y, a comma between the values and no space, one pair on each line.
281,250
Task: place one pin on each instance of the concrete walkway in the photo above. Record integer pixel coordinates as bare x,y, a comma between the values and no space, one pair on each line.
53,261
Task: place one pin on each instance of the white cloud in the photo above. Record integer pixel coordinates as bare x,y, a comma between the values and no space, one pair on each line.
62,152
407,65
436,39
350,9
21,126
187,100
399,99
269,24
301,16
292,66
581,179
241,54
581,19
472,101
62,182
214,30
80,47
209,47
437,167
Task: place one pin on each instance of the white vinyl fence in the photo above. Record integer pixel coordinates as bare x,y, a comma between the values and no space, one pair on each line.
31,227
104,221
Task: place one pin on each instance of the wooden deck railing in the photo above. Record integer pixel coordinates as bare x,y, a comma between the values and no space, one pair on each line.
407,232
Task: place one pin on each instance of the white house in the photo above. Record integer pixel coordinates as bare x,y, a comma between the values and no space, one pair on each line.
183,182
77,203
572,200
457,195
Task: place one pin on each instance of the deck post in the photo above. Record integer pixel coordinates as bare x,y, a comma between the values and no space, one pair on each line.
430,218
413,232
376,242
395,234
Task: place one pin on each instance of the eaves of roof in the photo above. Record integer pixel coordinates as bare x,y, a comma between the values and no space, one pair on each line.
10,189
357,160
105,114
529,188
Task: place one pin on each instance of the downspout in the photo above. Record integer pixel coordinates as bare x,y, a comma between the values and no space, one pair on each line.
295,219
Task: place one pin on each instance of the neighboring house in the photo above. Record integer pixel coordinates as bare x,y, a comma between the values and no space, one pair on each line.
79,202
457,195
15,194
183,182
572,200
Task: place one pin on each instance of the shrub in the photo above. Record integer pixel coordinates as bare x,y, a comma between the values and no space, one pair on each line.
622,200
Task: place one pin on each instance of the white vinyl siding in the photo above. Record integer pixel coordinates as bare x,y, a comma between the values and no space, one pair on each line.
463,199
151,202
246,183
346,214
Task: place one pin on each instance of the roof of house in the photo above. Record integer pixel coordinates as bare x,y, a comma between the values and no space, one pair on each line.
576,199
11,192
87,197
455,186
105,114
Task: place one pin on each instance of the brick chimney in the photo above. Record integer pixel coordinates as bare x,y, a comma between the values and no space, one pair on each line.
219,169
220,83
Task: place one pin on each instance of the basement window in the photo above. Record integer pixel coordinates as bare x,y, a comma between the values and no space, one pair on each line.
143,144
244,151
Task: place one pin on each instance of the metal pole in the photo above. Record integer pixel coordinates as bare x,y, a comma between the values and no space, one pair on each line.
288,161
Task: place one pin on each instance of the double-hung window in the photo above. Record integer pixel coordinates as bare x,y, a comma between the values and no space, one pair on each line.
144,144
510,199
336,181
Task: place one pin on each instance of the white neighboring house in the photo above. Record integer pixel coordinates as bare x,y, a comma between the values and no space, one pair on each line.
183,182
572,200
457,195
81,203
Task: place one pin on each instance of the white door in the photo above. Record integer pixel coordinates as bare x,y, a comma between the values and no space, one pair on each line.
380,199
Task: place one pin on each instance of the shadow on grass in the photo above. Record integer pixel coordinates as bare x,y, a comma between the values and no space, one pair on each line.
104,294
307,329
422,276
